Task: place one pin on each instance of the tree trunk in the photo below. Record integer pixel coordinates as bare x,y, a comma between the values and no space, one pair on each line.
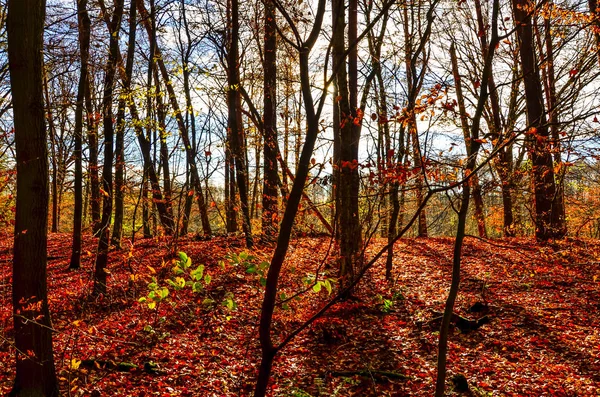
107,176
270,173
50,115
35,371
558,212
291,209
92,136
548,225
84,24
349,122
464,121
595,11
120,143
234,124
472,145
190,155
503,162
414,82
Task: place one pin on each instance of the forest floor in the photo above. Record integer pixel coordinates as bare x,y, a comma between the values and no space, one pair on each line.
542,337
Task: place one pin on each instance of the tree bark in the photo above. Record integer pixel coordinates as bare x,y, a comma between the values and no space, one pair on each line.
547,224
473,144
100,275
349,123
291,209
464,121
120,141
92,137
35,371
84,24
190,155
270,173
234,124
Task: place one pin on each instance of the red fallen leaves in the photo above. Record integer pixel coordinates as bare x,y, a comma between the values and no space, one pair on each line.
541,338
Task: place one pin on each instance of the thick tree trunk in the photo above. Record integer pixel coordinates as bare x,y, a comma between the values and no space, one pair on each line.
349,122
84,24
558,212
107,175
35,371
270,208
544,185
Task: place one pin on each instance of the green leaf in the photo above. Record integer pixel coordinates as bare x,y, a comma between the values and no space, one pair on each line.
207,279
208,302
172,283
263,281
184,260
164,292
229,303
327,285
178,270
197,287
264,265
317,287
198,273
152,286
142,299
151,305
251,269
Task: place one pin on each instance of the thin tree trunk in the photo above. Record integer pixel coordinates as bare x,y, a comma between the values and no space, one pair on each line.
52,127
84,24
595,11
190,155
100,275
235,126
35,371
558,212
464,121
145,146
291,209
473,144
270,172
120,142
92,137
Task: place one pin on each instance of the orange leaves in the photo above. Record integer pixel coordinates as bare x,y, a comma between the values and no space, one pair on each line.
573,72
351,165
359,116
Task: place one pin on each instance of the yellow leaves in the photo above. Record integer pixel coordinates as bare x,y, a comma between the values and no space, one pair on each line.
152,270
75,363
76,323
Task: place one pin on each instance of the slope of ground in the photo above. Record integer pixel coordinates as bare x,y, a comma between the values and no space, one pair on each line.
542,338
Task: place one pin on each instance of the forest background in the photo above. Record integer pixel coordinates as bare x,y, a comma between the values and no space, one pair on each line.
360,123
